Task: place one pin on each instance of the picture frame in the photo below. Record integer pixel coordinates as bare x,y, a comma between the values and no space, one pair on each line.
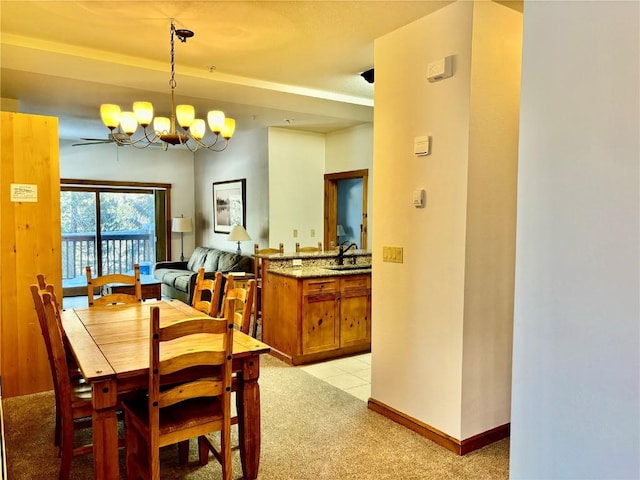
229,200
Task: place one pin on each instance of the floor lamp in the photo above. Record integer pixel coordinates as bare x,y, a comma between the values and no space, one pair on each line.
181,225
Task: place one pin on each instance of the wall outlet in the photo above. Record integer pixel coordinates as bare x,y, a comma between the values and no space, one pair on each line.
392,254
295,233
297,262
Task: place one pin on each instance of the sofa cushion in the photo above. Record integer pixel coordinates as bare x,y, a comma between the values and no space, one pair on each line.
181,282
227,261
198,258
170,277
211,262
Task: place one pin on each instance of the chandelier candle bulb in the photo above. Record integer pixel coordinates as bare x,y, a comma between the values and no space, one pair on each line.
229,128
128,122
215,118
186,115
198,128
161,125
143,112
110,114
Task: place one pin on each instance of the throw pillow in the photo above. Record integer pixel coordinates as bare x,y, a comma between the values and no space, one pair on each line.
197,258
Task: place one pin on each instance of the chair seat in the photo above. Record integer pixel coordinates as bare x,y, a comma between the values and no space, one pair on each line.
177,418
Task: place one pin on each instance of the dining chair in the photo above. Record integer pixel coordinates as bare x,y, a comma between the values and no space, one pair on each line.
73,401
209,305
186,409
308,249
77,381
104,281
241,304
257,270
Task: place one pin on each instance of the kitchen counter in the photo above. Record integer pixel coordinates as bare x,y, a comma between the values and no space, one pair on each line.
317,264
316,309
318,271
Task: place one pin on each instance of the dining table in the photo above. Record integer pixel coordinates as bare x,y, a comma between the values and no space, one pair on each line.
111,347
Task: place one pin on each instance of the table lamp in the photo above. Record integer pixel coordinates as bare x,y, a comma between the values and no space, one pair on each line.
181,225
238,234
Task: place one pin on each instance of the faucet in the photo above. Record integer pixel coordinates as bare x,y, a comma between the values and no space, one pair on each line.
342,251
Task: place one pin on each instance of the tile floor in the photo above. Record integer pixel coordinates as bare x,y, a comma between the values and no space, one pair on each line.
351,374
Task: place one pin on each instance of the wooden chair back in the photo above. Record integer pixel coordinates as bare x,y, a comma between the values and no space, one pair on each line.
210,302
69,406
308,249
72,367
190,408
257,262
242,301
110,279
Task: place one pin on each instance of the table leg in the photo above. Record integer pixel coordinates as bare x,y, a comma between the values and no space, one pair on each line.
105,430
248,406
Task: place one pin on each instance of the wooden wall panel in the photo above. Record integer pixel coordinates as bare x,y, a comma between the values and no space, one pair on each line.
30,243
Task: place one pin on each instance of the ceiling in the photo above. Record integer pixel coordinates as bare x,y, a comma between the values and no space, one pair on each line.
294,64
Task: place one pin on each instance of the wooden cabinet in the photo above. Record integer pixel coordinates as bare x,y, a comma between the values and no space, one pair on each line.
320,316
355,310
30,244
311,319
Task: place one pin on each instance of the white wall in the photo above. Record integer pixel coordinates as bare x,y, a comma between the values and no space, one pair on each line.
110,162
491,217
441,334
417,306
352,149
296,187
576,339
245,157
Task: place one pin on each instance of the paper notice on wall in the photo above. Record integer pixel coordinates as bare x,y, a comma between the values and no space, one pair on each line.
23,192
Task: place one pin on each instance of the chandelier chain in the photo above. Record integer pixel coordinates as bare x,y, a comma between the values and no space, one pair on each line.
172,80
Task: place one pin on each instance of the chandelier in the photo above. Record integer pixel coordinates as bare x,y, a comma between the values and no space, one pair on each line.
164,132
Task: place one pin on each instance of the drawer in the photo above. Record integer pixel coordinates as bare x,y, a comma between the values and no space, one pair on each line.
320,285
355,282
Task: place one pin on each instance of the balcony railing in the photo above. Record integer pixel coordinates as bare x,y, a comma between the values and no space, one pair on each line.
120,251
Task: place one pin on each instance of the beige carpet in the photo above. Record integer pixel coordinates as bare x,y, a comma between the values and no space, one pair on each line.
310,431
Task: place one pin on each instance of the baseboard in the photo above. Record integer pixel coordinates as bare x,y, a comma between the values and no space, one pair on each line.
450,443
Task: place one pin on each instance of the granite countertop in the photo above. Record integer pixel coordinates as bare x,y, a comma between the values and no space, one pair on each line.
312,255
315,271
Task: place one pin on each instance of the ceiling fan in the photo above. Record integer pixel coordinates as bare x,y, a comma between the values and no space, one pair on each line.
111,138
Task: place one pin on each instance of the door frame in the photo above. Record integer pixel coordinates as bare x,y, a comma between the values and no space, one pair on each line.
331,205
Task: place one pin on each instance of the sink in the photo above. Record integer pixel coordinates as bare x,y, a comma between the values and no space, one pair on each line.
348,267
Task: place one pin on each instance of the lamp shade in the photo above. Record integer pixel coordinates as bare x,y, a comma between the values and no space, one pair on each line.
238,234
341,231
181,224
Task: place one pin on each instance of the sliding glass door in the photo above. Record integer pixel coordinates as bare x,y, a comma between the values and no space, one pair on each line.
110,230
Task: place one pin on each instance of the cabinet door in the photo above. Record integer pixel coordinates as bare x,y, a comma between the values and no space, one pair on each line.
320,325
355,321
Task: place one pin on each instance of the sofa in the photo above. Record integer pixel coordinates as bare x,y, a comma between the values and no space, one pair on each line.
178,279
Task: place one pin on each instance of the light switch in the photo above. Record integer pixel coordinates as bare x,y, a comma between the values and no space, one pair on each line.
392,254
421,146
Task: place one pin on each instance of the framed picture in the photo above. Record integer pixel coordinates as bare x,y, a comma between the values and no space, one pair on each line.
229,200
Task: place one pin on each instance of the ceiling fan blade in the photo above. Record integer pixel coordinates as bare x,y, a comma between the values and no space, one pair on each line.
98,142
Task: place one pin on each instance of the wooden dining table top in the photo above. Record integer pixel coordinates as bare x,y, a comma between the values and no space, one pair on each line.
114,341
